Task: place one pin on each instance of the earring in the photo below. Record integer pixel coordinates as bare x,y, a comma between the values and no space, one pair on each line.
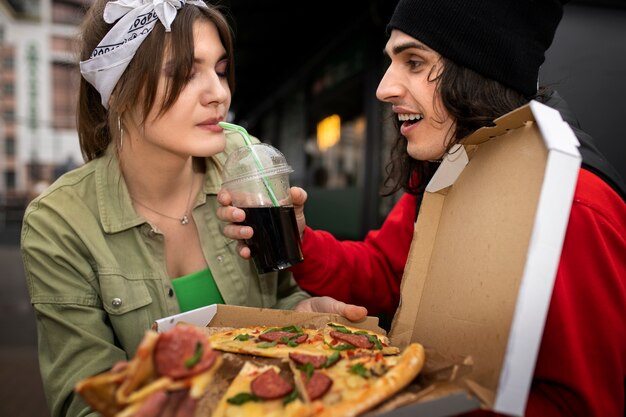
121,130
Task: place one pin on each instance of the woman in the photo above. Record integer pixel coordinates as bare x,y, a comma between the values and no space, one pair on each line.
131,236
455,66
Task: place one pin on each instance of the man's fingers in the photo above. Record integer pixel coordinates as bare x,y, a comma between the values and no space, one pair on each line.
244,250
354,313
298,196
236,232
230,214
223,197
349,311
330,305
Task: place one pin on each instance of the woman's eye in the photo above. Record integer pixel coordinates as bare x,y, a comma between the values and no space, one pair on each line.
221,68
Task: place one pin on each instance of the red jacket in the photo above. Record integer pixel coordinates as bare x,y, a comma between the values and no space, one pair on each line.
581,366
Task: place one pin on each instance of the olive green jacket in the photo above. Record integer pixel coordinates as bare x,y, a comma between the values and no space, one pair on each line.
97,279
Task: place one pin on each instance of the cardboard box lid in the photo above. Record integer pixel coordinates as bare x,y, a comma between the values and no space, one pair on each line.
486,248
220,315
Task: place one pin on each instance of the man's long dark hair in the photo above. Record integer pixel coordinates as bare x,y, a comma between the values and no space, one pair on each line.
472,100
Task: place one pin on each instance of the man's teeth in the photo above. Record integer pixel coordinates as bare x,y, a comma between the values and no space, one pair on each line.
414,117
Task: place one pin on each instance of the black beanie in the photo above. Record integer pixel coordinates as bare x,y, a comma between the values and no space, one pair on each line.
500,39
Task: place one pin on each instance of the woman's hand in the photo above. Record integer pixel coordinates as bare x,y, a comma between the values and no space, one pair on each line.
330,305
232,215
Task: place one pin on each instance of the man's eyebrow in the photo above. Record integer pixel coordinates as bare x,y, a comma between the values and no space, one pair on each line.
397,49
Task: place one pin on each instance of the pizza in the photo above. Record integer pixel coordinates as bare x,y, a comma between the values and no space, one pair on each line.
170,371
287,371
261,391
280,342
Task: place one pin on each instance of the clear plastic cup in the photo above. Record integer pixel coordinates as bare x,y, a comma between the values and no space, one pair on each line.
257,178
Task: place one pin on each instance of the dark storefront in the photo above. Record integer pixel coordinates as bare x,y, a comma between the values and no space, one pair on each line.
306,69
317,68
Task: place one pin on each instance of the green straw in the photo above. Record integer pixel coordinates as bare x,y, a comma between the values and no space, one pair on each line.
246,138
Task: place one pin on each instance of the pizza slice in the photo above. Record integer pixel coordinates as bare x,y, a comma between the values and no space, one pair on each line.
355,384
170,371
267,341
280,342
261,391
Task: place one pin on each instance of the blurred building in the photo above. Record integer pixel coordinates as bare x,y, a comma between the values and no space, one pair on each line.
38,85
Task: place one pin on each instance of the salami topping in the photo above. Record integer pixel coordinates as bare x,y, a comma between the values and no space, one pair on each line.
303,359
318,385
182,352
283,337
357,340
270,386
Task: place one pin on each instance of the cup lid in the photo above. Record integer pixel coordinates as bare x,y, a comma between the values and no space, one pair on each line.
253,162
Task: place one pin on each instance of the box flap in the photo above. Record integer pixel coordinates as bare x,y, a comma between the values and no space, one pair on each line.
481,267
220,315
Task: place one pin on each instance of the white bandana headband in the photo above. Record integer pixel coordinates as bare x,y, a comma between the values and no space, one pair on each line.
136,20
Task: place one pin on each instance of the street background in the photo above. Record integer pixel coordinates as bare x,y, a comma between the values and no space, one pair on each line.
21,391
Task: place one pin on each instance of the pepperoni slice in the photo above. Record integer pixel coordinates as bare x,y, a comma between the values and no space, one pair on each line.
270,386
278,335
176,347
318,385
357,340
303,359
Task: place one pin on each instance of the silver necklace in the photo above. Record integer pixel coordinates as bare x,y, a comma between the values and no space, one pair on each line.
184,220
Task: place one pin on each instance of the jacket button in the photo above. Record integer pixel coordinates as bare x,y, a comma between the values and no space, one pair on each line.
220,259
116,302
170,292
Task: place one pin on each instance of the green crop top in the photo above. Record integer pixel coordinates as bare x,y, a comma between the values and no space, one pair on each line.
197,290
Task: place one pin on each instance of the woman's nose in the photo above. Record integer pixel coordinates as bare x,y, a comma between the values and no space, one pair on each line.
216,90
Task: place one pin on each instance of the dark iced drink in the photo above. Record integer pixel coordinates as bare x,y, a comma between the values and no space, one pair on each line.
257,178
275,244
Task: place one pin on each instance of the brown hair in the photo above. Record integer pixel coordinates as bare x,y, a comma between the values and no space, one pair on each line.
96,126
472,100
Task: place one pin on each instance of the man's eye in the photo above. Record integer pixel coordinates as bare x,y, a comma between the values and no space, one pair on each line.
414,64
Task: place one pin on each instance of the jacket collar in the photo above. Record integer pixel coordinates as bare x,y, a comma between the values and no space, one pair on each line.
114,204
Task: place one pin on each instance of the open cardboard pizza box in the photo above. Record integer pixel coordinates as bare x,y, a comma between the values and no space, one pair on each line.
480,272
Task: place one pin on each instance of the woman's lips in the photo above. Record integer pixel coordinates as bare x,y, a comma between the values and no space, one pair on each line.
211,126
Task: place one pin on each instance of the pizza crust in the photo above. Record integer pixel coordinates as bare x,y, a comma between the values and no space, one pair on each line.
407,367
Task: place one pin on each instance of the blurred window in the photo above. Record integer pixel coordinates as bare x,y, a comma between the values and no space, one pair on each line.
9,179
9,146
7,62
65,82
9,115
67,12
8,89
63,44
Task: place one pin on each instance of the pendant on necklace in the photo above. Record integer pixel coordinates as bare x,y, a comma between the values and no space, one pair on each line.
184,220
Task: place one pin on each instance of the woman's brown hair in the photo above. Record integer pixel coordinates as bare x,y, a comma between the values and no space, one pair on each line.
96,126
473,100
